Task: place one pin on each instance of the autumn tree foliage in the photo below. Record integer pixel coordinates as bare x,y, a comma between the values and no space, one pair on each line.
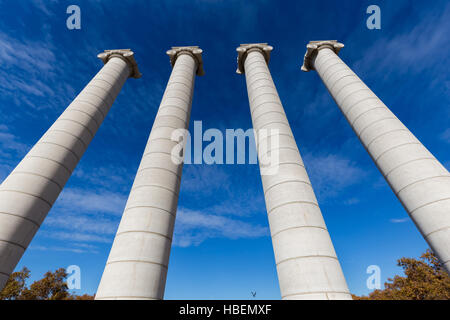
52,286
424,279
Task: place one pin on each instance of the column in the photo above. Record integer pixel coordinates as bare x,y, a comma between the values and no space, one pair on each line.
138,261
28,193
417,178
307,265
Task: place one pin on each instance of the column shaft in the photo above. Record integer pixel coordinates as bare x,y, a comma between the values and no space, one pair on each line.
28,193
417,178
306,261
138,261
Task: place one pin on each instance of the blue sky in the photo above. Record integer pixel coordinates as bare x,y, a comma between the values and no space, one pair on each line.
222,248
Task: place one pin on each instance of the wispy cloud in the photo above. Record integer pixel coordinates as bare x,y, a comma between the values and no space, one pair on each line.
332,174
401,220
445,136
194,227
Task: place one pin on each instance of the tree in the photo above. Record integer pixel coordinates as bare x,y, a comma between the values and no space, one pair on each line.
52,286
425,279
15,285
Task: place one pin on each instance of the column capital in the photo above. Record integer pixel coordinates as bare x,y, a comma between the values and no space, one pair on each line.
194,51
125,54
314,46
245,48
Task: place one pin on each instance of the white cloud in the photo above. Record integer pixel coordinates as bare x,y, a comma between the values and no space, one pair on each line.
402,220
194,227
445,136
91,201
331,174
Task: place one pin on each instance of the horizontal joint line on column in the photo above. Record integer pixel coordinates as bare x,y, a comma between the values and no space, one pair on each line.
57,162
360,115
319,65
339,79
162,106
306,257
174,76
106,91
166,126
373,123
182,72
407,162
138,261
14,243
329,56
24,218
101,79
419,181
106,104
354,92
61,146
90,116
390,149
356,103
155,152
263,94
349,84
152,207
178,82
174,97
438,230
260,87
171,116
335,72
86,91
91,104
70,134
292,202
251,74
330,68
170,90
286,181
162,138
116,76
248,71
28,194
280,122
250,85
267,112
159,168
426,204
262,72
299,227
74,121
314,292
277,134
154,185
261,104
383,134
118,73
260,61
38,175
144,231
280,148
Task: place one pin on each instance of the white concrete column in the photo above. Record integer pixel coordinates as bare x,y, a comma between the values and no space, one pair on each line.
417,178
138,261
29,192
307,265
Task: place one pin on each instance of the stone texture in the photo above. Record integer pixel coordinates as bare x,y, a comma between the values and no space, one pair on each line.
306,261
138,261
28,193
417,178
